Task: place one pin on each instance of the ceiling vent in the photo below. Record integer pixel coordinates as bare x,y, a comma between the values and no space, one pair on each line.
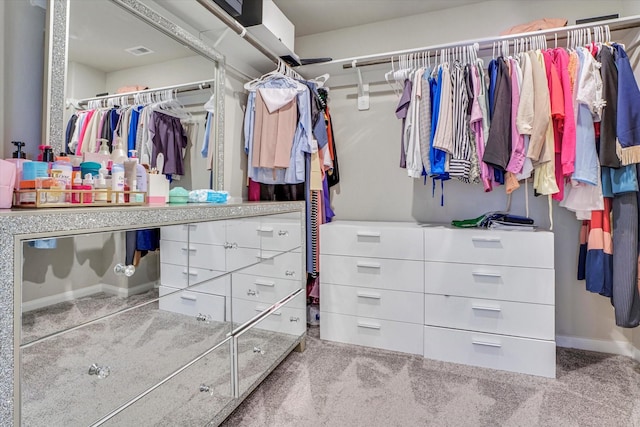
139,50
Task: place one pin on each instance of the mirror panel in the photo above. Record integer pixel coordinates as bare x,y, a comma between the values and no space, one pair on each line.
132,350
262,346
96,36
193,397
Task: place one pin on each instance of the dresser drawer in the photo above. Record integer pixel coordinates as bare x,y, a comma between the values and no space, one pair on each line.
192,303
193,254
524,355
479,246
536,285
279,233
287,265
244,232
176,233
262,289
210,232
179,276
500,317
386,334
381,273
374,303
290,319
373,240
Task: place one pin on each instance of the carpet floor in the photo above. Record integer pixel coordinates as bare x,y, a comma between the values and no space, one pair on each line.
333,384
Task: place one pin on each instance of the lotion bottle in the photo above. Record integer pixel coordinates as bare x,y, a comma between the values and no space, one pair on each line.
117,183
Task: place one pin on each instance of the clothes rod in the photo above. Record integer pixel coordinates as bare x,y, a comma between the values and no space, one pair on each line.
487,43
186,87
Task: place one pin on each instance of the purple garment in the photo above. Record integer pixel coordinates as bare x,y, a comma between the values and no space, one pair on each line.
326,202
169,138
401,113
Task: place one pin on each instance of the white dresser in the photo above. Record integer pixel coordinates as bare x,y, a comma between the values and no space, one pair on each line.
477,297
372,285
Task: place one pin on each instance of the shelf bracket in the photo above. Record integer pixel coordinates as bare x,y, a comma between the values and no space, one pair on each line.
363,89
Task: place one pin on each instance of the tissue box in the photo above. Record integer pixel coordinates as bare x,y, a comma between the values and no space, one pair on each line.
157,189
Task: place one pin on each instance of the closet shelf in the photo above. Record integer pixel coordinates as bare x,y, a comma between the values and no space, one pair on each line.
374,66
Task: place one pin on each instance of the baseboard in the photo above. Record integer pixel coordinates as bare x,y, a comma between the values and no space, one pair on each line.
85,292
624,348
127,292
61,297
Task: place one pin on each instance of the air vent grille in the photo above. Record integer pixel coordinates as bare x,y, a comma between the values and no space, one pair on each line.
139,50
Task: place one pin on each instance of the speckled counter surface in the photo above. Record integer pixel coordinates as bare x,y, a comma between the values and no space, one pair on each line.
20,224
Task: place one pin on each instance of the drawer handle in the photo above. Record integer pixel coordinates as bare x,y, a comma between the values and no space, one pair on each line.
368,325
486,239
368,234
251,292
367,295
275,313
264,229
485,274
486,343
364,264
229,245
189,297
289,273
258,350
264,257
485,308
206,318
283,233
264,283
190,273
294,319
189,249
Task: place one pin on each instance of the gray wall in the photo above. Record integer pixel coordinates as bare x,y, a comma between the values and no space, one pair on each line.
23,62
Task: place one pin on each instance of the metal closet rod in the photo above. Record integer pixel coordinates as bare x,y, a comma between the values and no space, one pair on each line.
239,29
485,44
185,87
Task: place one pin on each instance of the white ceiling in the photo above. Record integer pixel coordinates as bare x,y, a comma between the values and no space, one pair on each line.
100,31
315,16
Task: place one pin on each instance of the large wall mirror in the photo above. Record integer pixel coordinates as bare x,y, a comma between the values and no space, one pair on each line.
110,46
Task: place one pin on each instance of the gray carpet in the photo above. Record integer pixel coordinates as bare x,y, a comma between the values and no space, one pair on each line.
333,384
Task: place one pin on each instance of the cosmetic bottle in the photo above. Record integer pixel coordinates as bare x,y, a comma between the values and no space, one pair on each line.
18,158
101,189
118,155
117,183
88,184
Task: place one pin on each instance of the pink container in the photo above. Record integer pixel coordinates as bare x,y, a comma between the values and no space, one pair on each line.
7,183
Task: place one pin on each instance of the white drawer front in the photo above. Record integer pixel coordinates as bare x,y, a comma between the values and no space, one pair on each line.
372,240
263,289
238,257
179,276
380,273
195,254
243,232
177,233
210,233
287,320
280,234
513,248
491,281
272,264
386,334
192,303
527,356
500,317
374,303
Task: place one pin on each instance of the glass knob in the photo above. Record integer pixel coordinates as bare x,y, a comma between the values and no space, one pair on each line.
101,372
258,350
126,270
206,318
